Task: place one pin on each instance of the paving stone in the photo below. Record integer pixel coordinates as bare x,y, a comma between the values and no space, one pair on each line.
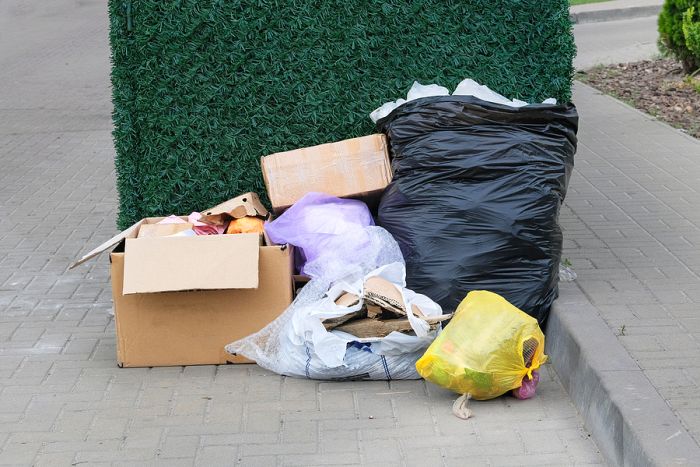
142,438
278,449
104,427
556,459
380,450
422,456
299,432
337,400
375,407
19,453
235,438
321,460
180,446
54,459
217,455
259,421
132,455
339,441
257,461
399,432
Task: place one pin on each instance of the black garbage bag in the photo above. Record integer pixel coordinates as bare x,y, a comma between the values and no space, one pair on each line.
475,198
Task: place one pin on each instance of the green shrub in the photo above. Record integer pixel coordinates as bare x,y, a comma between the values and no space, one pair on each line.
202,89
674,21
691,31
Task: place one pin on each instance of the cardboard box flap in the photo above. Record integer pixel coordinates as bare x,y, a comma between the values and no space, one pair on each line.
130,232
163,230
247,204
169,264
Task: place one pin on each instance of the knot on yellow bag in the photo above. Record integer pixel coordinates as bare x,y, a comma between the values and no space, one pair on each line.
486,350
536,363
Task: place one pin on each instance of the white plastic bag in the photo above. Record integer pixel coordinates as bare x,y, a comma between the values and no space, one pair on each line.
416,92
467,87
297,343
566,273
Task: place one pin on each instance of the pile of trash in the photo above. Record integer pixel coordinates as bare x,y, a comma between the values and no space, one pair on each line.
429,250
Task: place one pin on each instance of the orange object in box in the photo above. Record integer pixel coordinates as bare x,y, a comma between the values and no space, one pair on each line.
246,225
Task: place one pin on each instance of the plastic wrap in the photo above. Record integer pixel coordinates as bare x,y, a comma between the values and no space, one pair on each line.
317,224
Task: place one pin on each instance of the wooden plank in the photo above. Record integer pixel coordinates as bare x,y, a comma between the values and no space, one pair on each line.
374,328
333,323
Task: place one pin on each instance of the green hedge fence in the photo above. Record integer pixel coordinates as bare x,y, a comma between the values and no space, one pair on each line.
202,89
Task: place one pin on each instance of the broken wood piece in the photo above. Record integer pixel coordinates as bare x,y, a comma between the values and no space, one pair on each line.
333,323
417,311
373,311
434,321
363,326
375,328
437,319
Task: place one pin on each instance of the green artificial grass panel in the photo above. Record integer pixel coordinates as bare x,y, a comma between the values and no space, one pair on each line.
203,89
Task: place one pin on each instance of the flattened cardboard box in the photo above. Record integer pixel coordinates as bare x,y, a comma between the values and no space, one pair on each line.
180,300
354,168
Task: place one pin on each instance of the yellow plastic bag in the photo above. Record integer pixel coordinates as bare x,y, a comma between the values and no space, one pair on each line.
484,349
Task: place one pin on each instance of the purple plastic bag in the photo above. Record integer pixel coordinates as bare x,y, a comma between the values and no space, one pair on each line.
527,390
316,221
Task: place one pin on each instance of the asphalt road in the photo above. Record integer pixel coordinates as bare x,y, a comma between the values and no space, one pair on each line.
615,42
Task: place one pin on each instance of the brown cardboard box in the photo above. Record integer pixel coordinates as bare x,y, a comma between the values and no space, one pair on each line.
180,300
191,328
354,168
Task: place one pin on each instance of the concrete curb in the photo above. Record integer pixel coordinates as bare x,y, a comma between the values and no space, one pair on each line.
597,16
628,419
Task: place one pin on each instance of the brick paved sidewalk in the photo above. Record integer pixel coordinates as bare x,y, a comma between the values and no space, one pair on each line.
632,231
63,401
